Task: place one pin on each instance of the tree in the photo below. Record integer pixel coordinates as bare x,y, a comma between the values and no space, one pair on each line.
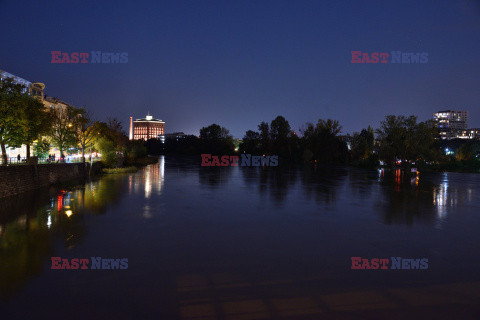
87,133
115,125
279,134
216,139
467,151
137,149
108,151
264,129
35,121
392,136
66,123
214,132
403,138
41,148
251,142
279,129
108,138
362,144
421,142
323,143
10,130
116,130
116,133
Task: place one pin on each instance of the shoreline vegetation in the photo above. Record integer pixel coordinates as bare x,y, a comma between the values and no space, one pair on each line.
399,143
132,167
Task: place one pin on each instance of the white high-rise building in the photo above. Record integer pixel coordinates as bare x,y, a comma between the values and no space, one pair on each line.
451,123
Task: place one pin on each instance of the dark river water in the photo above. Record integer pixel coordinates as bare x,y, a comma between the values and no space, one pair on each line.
244,243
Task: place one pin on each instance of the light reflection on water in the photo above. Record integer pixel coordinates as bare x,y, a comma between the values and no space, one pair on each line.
441,198
211,220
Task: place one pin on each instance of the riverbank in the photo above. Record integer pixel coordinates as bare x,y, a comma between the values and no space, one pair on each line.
461,167
131,169
18,179
132,166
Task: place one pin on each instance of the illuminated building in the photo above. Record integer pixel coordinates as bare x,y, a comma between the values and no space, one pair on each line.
473,133
55,103
34,88
174,136
451,124
146,128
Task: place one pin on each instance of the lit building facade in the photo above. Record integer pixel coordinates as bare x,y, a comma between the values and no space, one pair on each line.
34,88
452,124
55,103
173,136
37,90
146,128
473,133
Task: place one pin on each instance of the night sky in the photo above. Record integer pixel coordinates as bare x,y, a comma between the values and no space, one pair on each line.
237,63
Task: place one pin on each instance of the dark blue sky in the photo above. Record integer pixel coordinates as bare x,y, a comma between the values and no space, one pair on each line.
237,63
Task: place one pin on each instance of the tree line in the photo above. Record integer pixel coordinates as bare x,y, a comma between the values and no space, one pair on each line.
399,140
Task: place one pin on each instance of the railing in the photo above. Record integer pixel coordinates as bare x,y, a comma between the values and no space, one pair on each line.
15,160
23,160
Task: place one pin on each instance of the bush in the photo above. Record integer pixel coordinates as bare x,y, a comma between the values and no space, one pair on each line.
108,151
135,150
109,159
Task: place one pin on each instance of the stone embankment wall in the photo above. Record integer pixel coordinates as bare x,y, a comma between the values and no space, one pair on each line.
17,179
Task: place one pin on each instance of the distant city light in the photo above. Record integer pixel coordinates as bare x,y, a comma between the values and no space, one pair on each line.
449,152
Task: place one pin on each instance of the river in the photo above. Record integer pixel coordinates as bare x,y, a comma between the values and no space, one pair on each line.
244,243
